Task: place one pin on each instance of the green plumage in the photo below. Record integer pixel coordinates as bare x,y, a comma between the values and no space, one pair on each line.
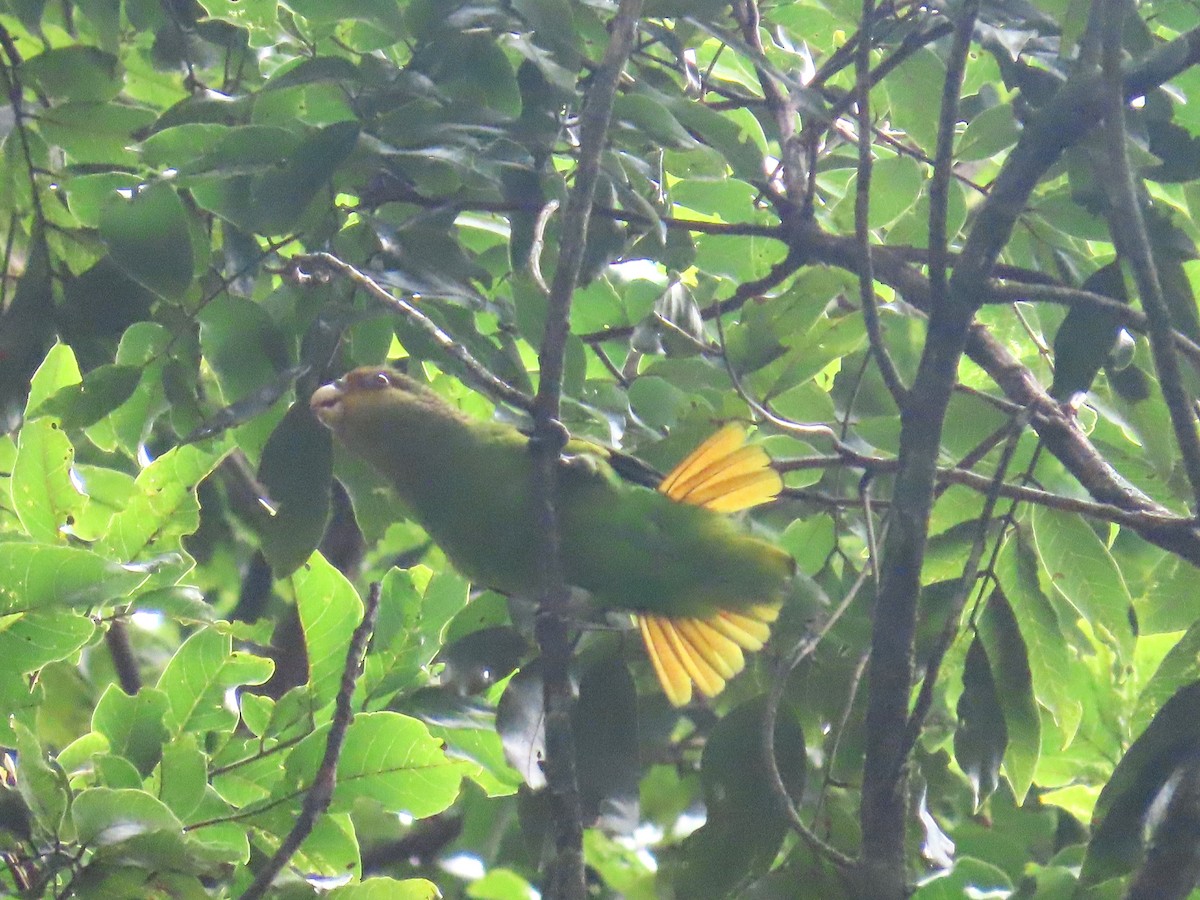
470,485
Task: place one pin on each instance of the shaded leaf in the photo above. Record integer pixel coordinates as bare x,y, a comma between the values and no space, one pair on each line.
520,722
101,391
296,470
981,735
1170,739
1008,660
148,237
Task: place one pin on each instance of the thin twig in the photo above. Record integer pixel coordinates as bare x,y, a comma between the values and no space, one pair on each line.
320,793
965,583
771,716
1155,519
539,242
943,163
1131,318
831,756
862,210
303,267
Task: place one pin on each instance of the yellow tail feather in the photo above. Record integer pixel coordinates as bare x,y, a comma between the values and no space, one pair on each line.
674,680
703,652
724,475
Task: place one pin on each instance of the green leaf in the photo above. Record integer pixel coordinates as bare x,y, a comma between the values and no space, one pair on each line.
896,184
100,133
981,735
182,776
297,472
656,401
87,402
374,503
330,610
74,73
501,884
143,345
57,371
35,576
737,134
104,816
133,726
910,89
646,116
967,878
382,13
37,638
607,759
1008,659
164,506
1049,656
744,827
991,131
387,889
388,758
1180,667
242,344
198,676
44,496
1083,572
41,781
278,198
149,238
474,70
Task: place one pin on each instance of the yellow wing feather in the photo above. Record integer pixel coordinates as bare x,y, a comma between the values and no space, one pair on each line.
725,475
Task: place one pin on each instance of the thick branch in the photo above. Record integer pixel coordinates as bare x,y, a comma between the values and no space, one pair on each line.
567,877
1129,234
883,814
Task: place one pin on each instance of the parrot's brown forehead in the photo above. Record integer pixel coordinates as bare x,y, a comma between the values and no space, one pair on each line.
371,379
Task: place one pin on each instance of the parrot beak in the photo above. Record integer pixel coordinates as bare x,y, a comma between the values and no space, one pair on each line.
326,404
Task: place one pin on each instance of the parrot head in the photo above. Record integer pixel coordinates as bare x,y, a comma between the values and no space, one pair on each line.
372,394
377,413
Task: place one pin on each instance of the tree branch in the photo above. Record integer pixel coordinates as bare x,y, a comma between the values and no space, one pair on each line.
943,162
883,813
566,881
862,209
1129,234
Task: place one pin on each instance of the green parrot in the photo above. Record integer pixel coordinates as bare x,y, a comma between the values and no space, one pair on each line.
700,590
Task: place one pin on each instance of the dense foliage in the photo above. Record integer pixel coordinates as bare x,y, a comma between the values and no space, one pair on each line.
210,207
